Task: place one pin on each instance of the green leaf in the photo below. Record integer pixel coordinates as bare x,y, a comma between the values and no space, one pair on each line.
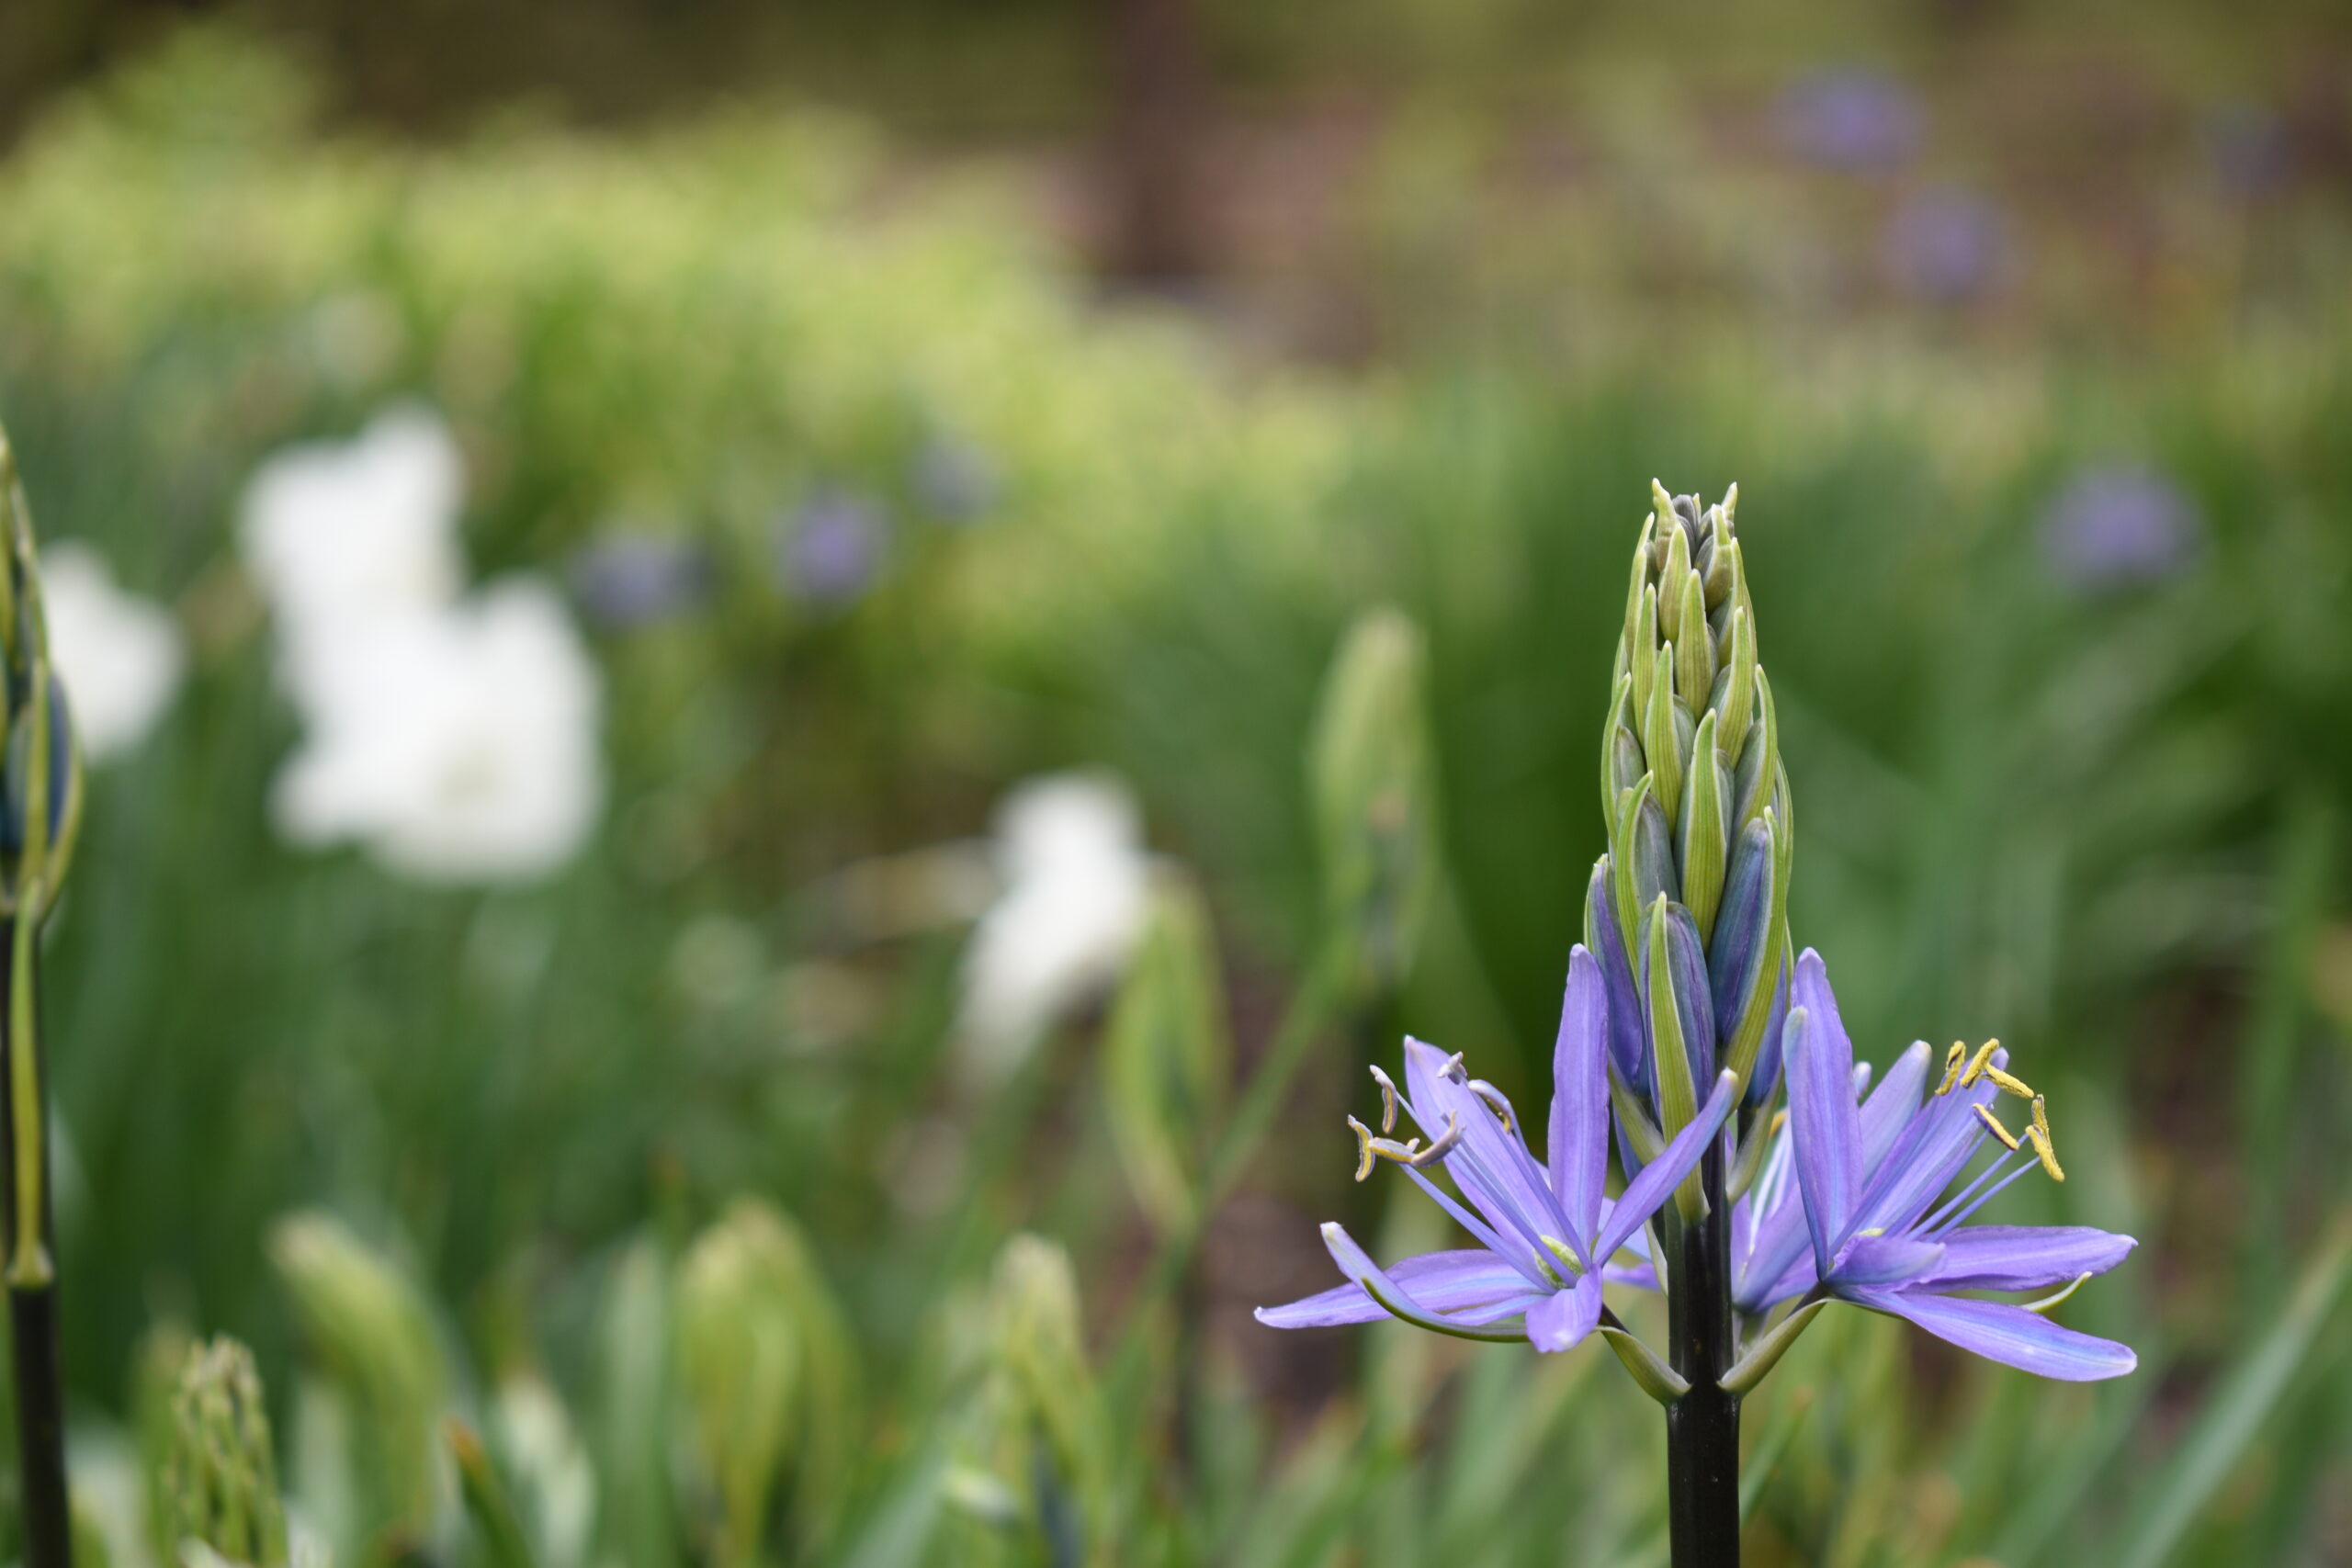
1657,1379
2233,1416
1766,1353
1166,1055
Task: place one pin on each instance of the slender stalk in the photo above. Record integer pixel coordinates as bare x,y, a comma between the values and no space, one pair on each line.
1702,1427
32,1297
1313,1008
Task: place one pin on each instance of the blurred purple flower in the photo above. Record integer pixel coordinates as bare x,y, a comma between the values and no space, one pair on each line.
1946,245
2116,525
1852,118
2247,146
829,551
954,480
624,580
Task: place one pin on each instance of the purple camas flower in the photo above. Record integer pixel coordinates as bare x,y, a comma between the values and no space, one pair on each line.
1946,246
831,549
1860,1184
2116,526
625,580
1851,119
1548,1238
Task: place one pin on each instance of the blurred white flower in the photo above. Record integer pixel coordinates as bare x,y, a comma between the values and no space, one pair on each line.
119,656
456,738
458,744
346,535
1076,876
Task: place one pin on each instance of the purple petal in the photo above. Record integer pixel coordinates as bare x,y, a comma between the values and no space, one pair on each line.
1358,1266
1443,1282
1491,1165
1579,1144
1767,1075
1757,1293
1695,1002
1662,1176
2009,1334
1940,1138
1884,1259
1821,1111
1891,1105
1735,951
2024,1257
1562,1319
1628,1036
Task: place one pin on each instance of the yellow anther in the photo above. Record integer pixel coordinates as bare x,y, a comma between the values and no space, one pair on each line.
2010,1083
1437,1150
1495,1103
1387,1101
1369,1149
2040,1138
1993,1125
1979,1063
1779,1120
2042,1152
1954,1059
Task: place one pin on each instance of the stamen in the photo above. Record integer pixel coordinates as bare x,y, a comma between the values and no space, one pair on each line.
2046,1303
1454,1069
2043,1146
1975,1185
1779,1120
1438,1150
1954,1059
1962,1216
1993,1125
1979,1063
1387,1101
1369,1149
2010,1083
1495,1102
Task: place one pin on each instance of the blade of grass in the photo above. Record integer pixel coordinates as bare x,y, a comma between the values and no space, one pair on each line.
2236,1411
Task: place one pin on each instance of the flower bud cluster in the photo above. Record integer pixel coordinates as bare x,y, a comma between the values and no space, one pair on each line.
1687,910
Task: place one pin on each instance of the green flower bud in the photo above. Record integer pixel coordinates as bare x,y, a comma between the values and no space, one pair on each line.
767,1378
368,1326
1035,1448
1690,764
1372,783
219,1486
1166,1054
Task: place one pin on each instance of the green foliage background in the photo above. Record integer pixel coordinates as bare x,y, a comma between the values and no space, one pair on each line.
2105,827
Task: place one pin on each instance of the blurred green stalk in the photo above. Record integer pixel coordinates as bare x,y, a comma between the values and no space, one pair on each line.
41,810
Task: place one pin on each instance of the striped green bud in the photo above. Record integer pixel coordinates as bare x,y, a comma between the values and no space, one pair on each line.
1693,792
372,1336
1371,783
767,1375
219,1486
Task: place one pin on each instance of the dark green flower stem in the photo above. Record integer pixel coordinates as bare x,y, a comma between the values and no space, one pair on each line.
40,1381
1702,1427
